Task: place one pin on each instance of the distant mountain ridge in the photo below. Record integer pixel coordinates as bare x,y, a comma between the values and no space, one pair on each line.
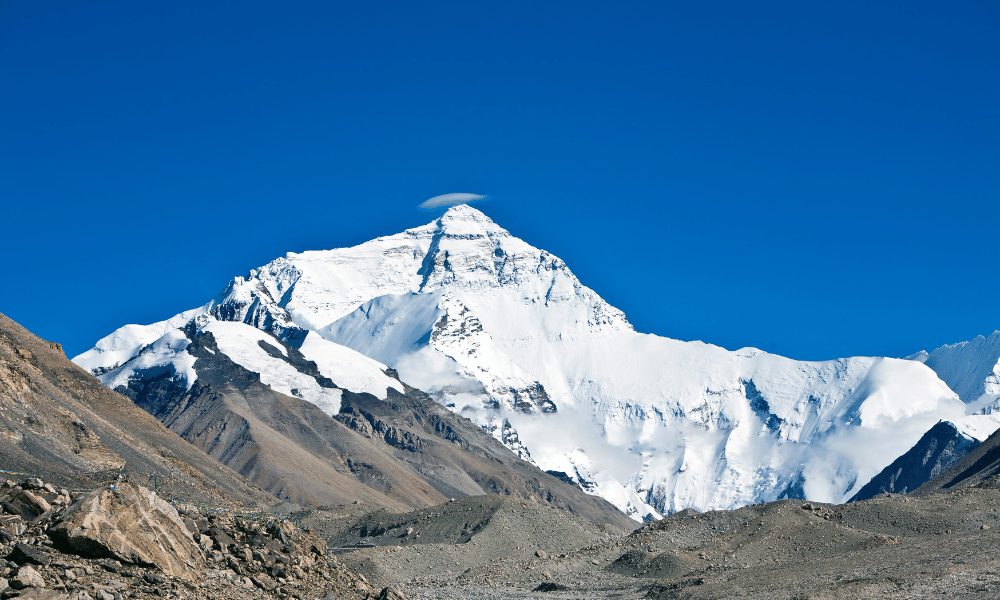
937,450
505,334
971,369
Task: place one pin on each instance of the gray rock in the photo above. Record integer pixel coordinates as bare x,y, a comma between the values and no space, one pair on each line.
23,553
264,582
27,577
391,593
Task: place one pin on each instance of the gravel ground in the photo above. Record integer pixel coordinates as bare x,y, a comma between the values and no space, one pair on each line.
944,545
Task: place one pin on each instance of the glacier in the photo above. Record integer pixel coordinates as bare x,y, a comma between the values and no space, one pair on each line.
505,334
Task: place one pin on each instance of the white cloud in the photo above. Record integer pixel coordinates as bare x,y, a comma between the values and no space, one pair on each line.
451,200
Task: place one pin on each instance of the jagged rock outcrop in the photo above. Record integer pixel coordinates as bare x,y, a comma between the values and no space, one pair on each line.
133,525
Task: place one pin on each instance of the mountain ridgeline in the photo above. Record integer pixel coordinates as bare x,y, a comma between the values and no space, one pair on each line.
514,357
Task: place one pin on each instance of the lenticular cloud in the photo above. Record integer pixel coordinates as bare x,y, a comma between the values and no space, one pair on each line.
450,200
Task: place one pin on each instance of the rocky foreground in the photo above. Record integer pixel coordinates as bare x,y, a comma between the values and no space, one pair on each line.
122,541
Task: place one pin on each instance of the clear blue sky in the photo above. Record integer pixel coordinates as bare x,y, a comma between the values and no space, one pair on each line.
817,179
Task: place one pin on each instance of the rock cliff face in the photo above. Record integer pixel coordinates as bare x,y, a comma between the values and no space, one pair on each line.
941,447
979,468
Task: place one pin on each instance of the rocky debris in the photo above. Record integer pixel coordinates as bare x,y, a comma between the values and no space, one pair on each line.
131,524
11,526
391,593
122,543
26,504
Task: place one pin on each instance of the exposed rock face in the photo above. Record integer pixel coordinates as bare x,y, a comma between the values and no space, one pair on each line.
130,524
941,447
980,467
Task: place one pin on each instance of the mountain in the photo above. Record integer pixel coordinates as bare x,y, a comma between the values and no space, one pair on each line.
979,468
58,422
941,447
274,413
970,368
504,333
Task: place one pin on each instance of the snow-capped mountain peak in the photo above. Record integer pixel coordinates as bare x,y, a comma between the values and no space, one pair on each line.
970,368
506,334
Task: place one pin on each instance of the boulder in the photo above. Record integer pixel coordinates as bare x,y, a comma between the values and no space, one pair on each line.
222,539
25,554
27,577
264,582
130,524
390,593
27,505
287,532
11,526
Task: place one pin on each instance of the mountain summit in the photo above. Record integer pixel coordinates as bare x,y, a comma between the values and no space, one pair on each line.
505,334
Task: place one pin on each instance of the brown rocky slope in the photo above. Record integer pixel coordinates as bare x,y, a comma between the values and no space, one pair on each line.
59,422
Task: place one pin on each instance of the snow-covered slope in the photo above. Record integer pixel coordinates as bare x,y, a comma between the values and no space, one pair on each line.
970,368
504,333
259,352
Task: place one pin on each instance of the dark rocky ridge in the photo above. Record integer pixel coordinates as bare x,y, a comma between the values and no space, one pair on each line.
936,451
979,468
